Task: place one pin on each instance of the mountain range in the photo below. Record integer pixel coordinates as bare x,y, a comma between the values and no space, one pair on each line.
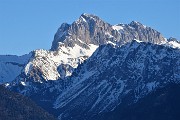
95,69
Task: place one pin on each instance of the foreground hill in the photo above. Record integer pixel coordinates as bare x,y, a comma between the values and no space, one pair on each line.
14,106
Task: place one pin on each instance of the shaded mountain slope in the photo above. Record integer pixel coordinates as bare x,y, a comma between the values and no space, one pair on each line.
162,104
111,75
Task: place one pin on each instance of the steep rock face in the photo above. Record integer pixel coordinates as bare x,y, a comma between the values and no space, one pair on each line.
11,66
145,33
92,30
88,28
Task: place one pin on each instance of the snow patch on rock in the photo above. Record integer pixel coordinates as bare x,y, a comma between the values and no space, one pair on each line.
48,61
117,27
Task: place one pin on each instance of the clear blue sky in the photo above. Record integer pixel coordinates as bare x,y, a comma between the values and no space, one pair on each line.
26,25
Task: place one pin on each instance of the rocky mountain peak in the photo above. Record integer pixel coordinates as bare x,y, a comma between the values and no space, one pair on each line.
136,23
90,29
89,16
60,36
173,39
